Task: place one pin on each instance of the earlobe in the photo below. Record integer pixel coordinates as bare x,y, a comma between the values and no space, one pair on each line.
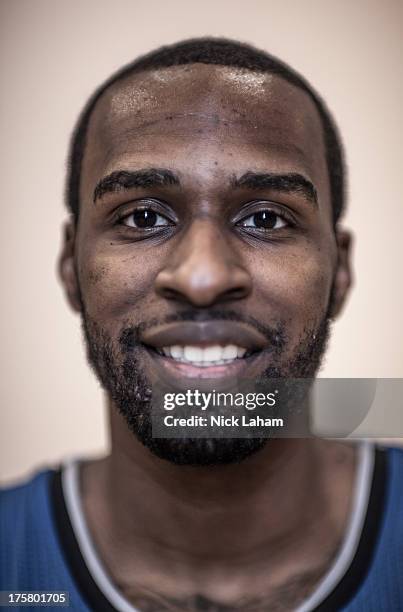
343,276
67,269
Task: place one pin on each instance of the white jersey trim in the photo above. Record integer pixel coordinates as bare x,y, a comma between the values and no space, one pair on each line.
342,562
362,488
72,497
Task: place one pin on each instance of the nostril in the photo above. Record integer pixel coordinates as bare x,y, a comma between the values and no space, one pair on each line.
203,297
235,293
171,294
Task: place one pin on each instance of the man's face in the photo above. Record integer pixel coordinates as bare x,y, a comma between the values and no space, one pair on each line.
205,245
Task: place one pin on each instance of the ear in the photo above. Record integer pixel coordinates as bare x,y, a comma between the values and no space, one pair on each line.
67,269
343,277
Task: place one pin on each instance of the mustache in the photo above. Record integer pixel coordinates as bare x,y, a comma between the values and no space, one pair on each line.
275,334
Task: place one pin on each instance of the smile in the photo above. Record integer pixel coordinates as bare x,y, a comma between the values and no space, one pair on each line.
204,357
208,349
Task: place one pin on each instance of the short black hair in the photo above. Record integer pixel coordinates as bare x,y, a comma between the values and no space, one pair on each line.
222,52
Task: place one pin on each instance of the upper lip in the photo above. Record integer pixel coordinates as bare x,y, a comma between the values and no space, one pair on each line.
205,333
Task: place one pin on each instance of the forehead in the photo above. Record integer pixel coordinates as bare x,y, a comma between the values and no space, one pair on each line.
205,110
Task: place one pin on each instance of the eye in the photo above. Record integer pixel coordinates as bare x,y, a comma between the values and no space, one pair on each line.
145,218
264,219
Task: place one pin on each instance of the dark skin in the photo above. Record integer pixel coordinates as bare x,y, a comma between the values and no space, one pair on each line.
256,535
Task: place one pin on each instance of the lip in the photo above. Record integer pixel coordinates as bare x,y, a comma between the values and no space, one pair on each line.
169,369
204,334
195,333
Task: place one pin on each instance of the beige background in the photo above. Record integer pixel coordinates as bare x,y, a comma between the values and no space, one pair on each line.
53,53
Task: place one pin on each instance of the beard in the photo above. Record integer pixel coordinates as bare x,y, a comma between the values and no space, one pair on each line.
117,365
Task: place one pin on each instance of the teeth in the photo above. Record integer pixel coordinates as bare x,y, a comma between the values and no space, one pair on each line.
203,357
193,353
175,351
230,352
213,353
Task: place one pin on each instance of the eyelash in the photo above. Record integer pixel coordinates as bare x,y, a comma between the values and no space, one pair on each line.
283,216
152,207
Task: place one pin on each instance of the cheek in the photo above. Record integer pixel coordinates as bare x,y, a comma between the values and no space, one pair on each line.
114,286
296,286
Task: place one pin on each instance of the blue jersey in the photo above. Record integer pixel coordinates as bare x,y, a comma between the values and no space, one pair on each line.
46,546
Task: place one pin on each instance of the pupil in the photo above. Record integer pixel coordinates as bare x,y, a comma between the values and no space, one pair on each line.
265,219
145,218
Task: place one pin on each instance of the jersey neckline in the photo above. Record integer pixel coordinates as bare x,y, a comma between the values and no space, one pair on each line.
337,587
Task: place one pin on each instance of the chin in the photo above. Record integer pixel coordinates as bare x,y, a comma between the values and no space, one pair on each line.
204,451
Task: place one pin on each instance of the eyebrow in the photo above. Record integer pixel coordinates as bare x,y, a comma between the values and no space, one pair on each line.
127,179
156,177
286,183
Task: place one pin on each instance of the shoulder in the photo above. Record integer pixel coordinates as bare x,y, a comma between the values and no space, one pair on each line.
19,499
24,522
395,455
382,587
20,485
387,495
31,554
394,491
394,475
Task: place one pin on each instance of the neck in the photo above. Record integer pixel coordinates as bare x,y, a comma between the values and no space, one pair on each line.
250,514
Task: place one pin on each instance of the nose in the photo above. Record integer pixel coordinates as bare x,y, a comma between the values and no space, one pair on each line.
204,268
